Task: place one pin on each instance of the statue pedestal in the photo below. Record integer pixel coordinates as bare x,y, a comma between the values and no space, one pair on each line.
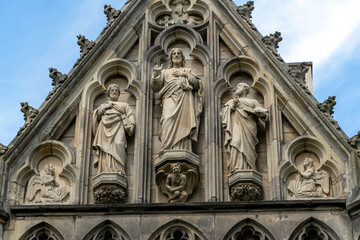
245,185
188,169
110,188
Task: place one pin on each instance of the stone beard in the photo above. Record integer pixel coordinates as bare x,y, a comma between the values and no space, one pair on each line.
112,120
239,121
180,91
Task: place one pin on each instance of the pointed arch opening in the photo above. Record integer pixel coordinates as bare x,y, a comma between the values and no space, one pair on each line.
107,230
42,231
248,229
177,230
313,229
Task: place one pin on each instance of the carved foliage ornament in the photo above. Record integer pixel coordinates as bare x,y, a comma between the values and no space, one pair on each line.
85,47
355,143
3,149
327,107
181,12
58,79
245,12
29,115
111,14
272,42
298,73
245,192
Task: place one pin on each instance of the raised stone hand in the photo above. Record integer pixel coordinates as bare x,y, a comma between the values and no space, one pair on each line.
157,68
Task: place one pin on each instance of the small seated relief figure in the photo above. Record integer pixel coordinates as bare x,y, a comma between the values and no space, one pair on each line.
309,183
112,121
239,118
180,92
44,188
177,185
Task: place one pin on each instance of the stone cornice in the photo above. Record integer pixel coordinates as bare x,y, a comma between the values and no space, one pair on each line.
176,208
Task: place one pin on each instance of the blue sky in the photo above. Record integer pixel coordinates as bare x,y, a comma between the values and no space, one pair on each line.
36,35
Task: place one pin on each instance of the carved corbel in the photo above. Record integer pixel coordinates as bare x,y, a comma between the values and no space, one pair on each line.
298,73
58,79
272,42
245,12
327,108
29,115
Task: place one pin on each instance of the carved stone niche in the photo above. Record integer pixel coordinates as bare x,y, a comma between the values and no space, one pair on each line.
177,174
110,188
47,175
310,171
245,185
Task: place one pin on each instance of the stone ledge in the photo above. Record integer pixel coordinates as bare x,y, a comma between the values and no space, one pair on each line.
176,208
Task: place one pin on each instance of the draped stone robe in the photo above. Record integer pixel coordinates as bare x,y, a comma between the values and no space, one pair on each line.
181,107
110,138
240,128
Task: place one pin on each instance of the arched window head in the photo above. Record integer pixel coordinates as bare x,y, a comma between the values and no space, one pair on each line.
42,231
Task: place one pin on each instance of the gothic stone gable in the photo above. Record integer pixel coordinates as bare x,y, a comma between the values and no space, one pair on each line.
63,156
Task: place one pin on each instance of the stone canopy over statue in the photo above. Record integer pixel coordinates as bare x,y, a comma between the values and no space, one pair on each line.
180,91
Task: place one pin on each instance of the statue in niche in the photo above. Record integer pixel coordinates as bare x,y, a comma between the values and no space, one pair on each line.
112,120
310,183
50,189
180,91
177,185
239,119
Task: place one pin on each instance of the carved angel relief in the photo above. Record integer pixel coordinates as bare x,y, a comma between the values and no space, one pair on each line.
45,188
309,183
177,185
179,13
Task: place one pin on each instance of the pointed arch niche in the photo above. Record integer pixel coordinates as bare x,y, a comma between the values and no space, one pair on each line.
42,231
248,229
197,58
314,229
107,230
230,74
294,154
177,230
27,180
125,74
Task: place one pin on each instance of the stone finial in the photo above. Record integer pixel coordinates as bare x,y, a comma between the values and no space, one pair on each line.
3,149
355,143
298,73
327,108
85,44
245,12
272,42
29,115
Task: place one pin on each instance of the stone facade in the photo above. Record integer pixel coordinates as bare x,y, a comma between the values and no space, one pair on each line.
181,121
